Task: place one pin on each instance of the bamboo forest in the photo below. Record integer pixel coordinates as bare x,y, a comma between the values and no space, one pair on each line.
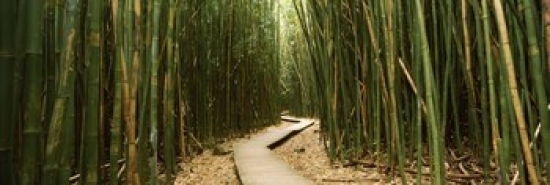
170,91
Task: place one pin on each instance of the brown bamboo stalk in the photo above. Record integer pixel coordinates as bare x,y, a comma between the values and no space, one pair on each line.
129,119
129,90
503,32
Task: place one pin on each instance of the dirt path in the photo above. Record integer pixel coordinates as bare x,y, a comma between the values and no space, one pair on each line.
258,165
210,169
305,153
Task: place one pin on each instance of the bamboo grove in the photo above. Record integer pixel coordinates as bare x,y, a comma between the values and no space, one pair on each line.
297,74
119,91
427,80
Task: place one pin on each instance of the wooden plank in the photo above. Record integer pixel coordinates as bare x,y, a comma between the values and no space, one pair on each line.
291,119
258,165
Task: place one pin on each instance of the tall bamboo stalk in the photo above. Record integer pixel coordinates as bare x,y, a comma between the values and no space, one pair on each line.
119,60
493,119
32,107
7,18
145,85
503,32
535,59
93,73
130,76
57,142
169,95
432,120
154,61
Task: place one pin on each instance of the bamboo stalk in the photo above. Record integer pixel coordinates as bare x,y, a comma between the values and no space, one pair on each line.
503,32
169,95
154,61
535,59
7,14
32,108
130,75
116,121
91,147
432,120
57,143
145,82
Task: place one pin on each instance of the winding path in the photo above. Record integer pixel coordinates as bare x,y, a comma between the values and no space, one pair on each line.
258,165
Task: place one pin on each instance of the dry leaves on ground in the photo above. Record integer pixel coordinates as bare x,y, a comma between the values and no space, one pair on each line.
305,153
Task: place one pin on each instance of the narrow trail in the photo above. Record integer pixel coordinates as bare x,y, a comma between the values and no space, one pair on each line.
258,165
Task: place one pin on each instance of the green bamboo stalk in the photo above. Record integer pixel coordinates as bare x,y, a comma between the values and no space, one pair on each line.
90,145
7,18
180,102
485,151
228,57
116,121
472,99
449,88
169,95
505,109
154,61
32,142
51,59
517,148
143,129
419,147
56,139
69,143
417,56
493,119
181,105
438,170
66,171
390,54
535,59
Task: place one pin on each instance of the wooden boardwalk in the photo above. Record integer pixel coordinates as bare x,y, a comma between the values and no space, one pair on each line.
258,165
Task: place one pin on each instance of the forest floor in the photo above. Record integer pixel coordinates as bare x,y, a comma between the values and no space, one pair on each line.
304,152
210,168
